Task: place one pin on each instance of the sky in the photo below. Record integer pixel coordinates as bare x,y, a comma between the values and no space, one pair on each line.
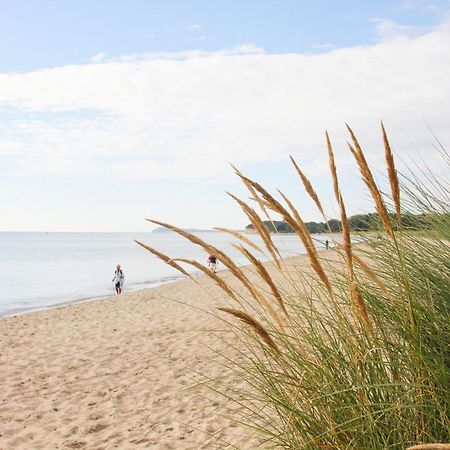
112,112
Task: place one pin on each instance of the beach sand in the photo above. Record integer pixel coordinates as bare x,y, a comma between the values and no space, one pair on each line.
123,372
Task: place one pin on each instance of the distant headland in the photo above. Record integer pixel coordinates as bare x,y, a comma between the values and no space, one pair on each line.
190,230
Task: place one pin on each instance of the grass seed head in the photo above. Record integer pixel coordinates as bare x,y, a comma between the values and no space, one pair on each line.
254,324
360,306
216,278
309,188
332,167
346,237
164,258
392,174
370,183
264,274
241,237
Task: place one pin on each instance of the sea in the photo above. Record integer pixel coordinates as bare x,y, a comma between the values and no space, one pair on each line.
44,270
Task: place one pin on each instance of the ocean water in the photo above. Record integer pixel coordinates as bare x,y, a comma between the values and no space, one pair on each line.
41,270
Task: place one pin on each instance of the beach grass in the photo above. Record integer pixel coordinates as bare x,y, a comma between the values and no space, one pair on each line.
351,354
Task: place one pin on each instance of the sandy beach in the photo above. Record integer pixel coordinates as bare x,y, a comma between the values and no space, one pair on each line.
122,372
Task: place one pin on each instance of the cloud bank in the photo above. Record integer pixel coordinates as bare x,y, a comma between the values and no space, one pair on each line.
187,115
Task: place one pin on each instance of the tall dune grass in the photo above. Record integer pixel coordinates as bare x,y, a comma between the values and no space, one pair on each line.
354,352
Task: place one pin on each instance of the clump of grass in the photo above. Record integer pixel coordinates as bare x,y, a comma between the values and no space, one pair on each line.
353,354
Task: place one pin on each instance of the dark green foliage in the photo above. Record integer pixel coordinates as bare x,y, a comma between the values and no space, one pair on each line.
335,225
358,222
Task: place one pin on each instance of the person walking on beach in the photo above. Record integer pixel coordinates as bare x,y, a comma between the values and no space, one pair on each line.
118,279
212,263
327,244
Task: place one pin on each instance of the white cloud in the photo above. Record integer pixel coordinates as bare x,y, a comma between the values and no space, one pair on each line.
424,5
97,57
323,45
242,49
192,27
186,115
387,29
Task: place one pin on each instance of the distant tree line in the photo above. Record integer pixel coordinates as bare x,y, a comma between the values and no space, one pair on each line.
358,222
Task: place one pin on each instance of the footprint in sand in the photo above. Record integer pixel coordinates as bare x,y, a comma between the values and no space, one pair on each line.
96,428
139,441
75,444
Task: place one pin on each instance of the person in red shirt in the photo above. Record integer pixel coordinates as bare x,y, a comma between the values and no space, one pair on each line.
212,263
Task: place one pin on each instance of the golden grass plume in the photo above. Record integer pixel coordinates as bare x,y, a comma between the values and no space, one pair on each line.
347,244
211,275
254,324
360,306
332,167
240,236
311,251
252,191
370,183
260,228
392,174
297,224
309,188
264,274
164,258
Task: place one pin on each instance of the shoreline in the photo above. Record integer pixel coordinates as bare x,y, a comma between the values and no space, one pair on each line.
54,289
149,285
31,310
153,285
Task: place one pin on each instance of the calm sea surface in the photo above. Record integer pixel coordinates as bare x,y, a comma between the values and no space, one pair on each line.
40,270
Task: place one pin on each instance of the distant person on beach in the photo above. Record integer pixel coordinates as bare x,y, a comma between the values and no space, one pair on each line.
118,279
212,263
327,244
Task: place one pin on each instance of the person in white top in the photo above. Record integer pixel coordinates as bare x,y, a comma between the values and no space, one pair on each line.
118,279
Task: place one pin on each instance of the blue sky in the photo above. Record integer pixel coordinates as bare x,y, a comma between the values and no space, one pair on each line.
43,33
112,111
